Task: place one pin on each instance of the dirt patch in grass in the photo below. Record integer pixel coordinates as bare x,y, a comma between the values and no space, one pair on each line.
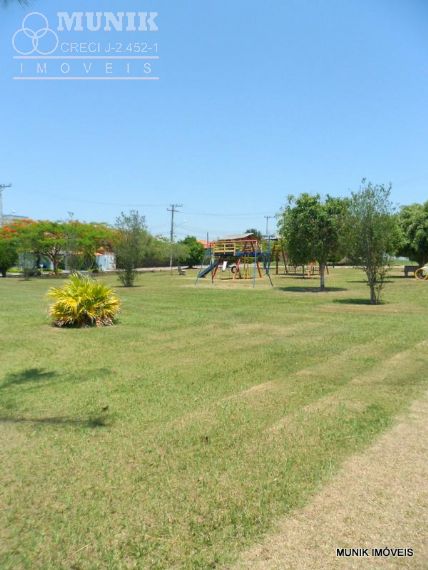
379,499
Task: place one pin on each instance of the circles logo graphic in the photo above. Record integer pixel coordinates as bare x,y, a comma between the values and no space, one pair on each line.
35,36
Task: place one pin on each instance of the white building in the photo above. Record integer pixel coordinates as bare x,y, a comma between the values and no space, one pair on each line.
105,261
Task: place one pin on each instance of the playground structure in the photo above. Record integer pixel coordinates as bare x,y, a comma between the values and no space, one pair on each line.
247,257
243,255
422,273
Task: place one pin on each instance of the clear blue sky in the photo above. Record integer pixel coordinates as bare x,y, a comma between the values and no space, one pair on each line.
256,100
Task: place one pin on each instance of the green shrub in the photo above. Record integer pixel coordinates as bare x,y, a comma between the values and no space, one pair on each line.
83,302
127,276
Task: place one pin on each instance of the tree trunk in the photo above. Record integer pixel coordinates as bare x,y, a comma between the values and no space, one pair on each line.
55,263
373,300
322,276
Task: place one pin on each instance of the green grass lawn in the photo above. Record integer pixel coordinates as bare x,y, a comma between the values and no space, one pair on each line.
227,407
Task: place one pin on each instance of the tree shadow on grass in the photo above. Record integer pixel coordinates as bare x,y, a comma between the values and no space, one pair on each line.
364,282
392,277
90,422
27,375
39,377
311,289
355,301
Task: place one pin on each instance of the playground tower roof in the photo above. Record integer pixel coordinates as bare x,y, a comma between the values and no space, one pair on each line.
241,237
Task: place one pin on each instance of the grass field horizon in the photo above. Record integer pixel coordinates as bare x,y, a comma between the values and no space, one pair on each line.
176,438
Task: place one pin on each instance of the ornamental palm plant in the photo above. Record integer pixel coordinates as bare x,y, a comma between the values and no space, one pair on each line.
83,302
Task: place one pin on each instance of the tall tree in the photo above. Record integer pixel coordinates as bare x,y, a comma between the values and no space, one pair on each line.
75,241
311,230
83,241
132,243
413,222
193,251
44,239
373,235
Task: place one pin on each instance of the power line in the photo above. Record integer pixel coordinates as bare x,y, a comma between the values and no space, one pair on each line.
223,215
68,198
173,210
73,199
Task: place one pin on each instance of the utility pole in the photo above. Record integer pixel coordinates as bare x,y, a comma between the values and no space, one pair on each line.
2,187
267,218
173,210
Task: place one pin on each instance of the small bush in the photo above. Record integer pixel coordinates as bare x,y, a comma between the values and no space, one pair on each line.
127,277
83,302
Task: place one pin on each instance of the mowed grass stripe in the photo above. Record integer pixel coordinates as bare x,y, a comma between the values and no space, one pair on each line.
308,385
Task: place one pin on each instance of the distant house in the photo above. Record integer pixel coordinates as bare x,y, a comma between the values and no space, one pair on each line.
205,243
105,260
8,219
